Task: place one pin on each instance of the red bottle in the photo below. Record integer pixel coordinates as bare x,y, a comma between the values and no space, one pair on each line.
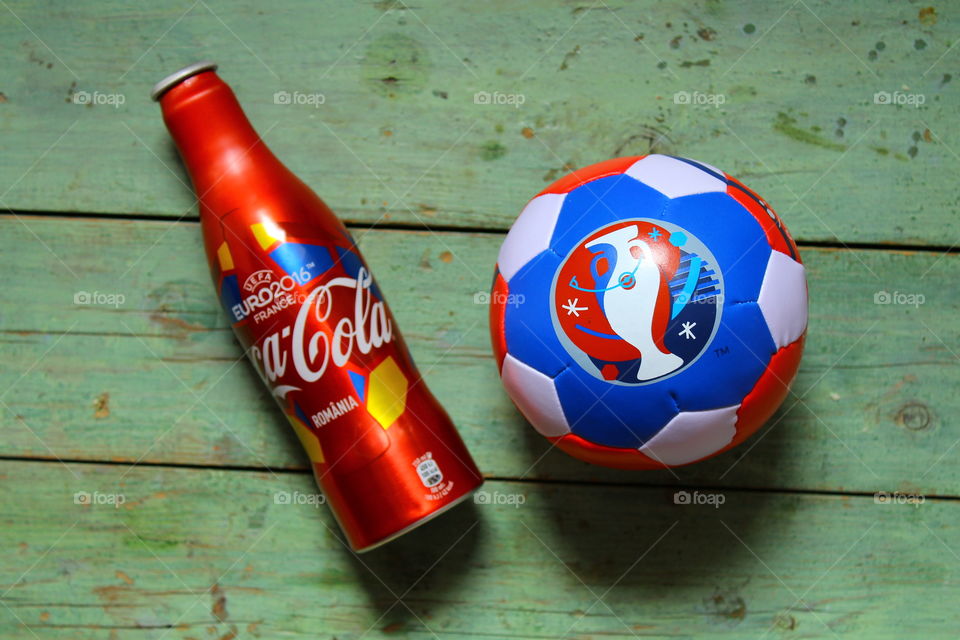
314,323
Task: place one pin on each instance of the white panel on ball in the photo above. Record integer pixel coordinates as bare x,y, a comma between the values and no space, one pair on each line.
536,397
692,435
674,178
530,233
783,298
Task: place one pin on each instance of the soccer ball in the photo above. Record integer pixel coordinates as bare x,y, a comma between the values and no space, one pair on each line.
648,312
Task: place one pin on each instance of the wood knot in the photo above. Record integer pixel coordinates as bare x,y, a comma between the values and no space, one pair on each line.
785,621
101,406
913,416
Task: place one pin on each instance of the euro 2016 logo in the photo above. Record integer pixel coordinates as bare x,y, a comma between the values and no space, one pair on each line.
637,301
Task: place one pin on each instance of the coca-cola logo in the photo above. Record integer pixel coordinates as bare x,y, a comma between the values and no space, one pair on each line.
316,338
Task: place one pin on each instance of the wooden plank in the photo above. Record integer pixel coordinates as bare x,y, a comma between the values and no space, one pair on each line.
399,135
157,378
196,553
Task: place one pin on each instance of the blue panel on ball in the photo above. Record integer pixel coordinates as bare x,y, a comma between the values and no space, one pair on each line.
730,366
613,415
733,236
601,202
528,325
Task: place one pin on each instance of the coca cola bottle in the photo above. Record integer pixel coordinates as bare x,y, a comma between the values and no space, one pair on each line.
314,323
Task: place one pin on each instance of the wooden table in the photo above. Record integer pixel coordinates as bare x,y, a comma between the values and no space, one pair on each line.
133,399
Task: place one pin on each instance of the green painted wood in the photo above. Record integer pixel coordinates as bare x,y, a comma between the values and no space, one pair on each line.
211,552
157,378
197,553
399,136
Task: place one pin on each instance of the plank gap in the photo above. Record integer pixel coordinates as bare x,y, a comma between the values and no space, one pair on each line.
456,229
487,478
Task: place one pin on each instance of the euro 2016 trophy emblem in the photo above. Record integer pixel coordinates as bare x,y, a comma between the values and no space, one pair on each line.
637,300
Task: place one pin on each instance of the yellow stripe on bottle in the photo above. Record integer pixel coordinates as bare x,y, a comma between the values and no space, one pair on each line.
387,392
224,257
309,441
267,234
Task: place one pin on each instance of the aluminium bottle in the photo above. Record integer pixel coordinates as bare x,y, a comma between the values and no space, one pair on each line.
314,323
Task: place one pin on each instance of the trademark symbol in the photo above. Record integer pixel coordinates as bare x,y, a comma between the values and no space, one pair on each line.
722,351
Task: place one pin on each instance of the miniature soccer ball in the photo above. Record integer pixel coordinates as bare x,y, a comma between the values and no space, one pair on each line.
648,312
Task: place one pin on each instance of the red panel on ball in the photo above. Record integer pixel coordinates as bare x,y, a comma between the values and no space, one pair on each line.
603,169
777,235
769,392
616,458
498,308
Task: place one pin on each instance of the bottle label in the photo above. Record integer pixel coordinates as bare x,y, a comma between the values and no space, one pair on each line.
319,333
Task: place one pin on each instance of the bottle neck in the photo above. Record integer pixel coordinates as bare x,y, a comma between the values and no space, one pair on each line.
219,146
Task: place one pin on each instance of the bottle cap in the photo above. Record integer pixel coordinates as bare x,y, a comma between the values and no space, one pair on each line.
177,77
